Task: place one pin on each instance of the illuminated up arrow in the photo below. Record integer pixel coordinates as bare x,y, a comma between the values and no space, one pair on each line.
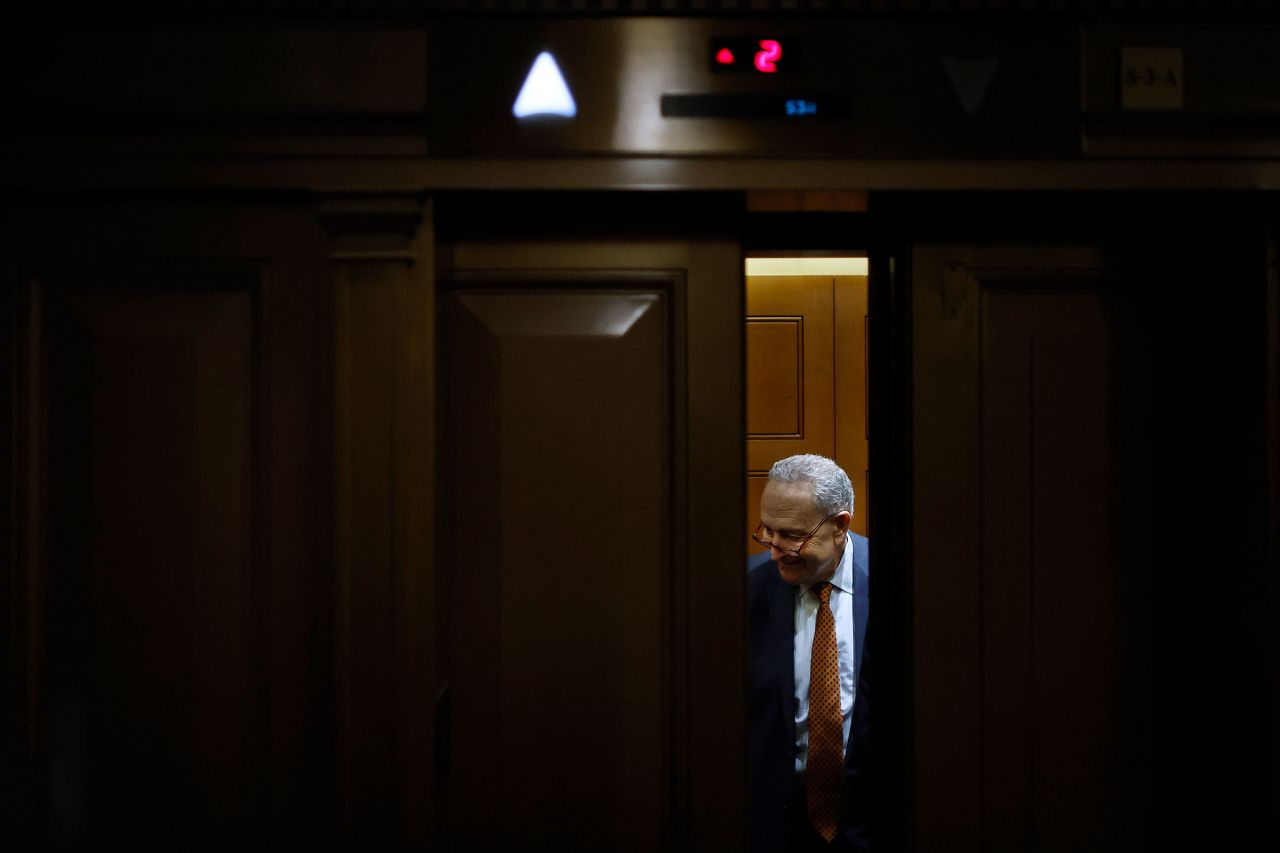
544,93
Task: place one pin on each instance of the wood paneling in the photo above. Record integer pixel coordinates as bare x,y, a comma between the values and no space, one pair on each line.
946,673
591,494
150,652
804,303
1086,666
775,377
557,398
1020,723
1049,710
170,570
806,379
381,260
851,397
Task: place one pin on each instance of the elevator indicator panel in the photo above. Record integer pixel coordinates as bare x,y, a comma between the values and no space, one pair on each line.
756,106
755,54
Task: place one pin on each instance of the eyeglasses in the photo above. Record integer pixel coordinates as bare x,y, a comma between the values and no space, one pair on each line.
793,551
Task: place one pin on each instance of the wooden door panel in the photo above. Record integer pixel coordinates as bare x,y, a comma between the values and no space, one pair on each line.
169,414
851,397
1066,638
1016,614
806,379
775,377
1049,717
151,408
790,322
590,470
561,405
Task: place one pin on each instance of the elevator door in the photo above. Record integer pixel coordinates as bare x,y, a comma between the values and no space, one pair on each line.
561,536
591,426
171,603
1086,670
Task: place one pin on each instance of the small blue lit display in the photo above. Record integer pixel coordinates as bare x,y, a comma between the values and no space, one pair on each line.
819,107
799,107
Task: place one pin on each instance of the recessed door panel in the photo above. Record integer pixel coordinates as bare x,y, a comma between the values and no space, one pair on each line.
1072,606
561,554
150,412
590,484
1050,713
806,380
171,592
791,397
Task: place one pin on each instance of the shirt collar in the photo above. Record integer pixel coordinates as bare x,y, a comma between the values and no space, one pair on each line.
842,579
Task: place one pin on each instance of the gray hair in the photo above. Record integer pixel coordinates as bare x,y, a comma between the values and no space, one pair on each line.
832,491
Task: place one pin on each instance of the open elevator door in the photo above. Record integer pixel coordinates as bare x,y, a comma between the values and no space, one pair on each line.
1088,582
590,493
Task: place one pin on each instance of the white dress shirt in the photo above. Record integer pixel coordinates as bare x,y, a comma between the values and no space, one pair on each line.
807,603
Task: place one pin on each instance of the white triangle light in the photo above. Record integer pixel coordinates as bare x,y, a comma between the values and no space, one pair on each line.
544,92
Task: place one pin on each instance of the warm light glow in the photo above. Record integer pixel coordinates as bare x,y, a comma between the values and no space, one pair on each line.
544,93
806,266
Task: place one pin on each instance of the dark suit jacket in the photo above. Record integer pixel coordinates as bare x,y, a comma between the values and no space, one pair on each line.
771,709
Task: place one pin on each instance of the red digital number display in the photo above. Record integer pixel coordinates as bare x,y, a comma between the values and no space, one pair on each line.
754,55
768,56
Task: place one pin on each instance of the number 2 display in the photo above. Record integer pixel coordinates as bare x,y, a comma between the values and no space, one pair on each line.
754,55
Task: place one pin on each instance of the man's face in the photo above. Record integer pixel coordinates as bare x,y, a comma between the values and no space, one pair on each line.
788,512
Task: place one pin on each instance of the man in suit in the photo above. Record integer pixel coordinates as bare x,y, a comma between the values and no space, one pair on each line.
808,701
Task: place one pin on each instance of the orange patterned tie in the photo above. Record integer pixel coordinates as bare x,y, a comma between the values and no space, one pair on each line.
826,735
